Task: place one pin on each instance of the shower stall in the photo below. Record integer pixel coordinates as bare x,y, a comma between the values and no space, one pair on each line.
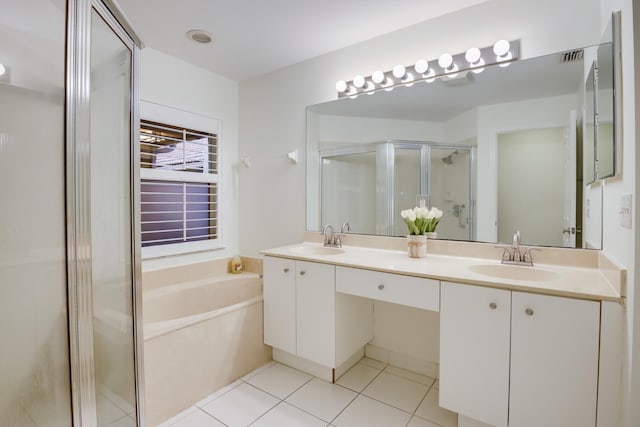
368,185
69,294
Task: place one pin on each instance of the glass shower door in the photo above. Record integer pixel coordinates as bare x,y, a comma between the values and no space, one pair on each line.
34,346
111,226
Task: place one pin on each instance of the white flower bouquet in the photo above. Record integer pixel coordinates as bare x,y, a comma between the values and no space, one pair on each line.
421,220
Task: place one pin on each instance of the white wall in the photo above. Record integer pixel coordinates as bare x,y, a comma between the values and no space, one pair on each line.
344,129
168,81
619,243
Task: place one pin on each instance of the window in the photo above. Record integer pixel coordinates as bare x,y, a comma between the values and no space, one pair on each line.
179,185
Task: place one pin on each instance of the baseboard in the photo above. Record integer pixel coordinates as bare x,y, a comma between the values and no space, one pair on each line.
412,363
304,365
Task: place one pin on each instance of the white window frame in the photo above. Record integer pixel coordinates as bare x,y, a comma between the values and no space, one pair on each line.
175,117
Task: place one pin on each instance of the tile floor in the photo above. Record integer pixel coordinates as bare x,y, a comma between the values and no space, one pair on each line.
370,394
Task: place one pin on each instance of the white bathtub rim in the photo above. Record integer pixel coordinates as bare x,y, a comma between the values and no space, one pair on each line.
182,286
155,329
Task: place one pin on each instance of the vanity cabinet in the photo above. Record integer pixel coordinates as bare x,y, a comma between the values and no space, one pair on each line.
554,361
279,289
475,327
518,359
299,308
315,312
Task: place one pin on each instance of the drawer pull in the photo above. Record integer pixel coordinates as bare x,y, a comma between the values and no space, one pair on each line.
529,311
381,287
286,270
302,273
493,306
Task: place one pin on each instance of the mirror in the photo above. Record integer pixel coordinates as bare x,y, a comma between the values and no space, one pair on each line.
590,126
464,141
605,147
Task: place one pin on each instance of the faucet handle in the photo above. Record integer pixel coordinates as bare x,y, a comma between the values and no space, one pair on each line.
506,255
526,256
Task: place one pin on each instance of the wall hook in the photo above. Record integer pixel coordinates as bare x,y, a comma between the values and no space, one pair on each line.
246,161
293,156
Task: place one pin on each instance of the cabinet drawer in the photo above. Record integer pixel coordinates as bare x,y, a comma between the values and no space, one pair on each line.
395,288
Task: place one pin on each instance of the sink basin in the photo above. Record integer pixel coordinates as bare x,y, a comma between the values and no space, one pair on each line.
315,250
514,272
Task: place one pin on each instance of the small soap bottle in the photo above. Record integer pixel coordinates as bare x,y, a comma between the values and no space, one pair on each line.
236,264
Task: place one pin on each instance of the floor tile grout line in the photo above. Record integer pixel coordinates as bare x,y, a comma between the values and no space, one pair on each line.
208,414
306,412
359,393
197,404
346,406
409,379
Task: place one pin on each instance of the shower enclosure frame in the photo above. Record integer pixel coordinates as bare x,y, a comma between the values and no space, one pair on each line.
78,205
385,176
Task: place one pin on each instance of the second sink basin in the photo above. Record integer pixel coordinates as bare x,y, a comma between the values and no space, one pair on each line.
514,272
315,250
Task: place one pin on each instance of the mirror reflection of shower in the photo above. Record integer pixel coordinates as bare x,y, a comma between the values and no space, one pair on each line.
369,184
450,190
448,160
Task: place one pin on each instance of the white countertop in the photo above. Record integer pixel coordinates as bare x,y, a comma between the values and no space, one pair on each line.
574,282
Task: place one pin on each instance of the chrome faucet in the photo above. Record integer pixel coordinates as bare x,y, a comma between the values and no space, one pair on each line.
515,245
330,237
514,255
345,227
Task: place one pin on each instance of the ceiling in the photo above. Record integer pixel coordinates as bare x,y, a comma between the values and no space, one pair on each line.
255,37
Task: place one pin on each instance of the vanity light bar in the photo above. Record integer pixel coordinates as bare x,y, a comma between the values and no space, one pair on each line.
447,66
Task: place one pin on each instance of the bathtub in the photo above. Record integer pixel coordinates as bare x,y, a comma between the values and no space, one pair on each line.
199,335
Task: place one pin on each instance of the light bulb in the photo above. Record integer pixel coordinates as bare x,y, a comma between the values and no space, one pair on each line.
478,68
507,57
369,88
445,60
408,79
421,66
473,55
358,81
452,71
341,86
399,71
377,77
430,75
501,48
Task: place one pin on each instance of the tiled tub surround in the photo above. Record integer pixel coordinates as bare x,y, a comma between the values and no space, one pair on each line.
203,329
341,293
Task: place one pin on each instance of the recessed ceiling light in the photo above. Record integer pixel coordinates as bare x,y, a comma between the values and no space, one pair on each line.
200,36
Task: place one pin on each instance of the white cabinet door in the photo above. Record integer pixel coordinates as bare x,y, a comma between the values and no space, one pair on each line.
554,361
474,352
280,303
315,312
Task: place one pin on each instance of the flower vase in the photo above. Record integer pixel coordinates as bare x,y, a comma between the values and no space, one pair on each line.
431,235
417,246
